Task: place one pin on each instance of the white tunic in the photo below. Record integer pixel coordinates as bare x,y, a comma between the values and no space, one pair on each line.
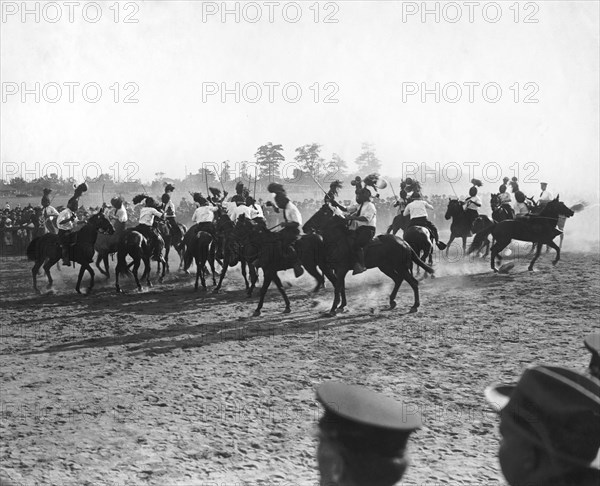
238,211
368,210
204,214
417,209
147,215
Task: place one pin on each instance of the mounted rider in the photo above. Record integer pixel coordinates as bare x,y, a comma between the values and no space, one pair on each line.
363,217
473,202
523,205
117,215
290,231
49,213
168,207
545,196
417,210
148,212
505,201
65,223
242,195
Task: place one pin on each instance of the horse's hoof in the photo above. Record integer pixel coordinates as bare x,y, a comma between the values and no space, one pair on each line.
413,310
287,310
554,262
393,305
256,313
329,314
530,269
160,280
78,291
215,291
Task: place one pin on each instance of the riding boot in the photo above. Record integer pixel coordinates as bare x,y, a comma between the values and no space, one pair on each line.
65,256
359,266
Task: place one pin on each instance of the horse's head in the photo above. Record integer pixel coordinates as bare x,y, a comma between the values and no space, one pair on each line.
318,221
101,223
556,208
454,208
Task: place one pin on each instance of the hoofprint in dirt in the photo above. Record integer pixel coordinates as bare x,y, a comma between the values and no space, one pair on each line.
169,386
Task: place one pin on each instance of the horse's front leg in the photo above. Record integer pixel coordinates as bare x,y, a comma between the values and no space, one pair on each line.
464,239
223,272
268,277
277,281
79,278
90,270
34,272
243,263
452,237
47,267
556,247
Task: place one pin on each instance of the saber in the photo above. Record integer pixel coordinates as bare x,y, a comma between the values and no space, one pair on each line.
255,179
452,187
393,192
317,183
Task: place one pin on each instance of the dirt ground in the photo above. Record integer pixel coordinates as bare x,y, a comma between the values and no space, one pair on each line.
172,387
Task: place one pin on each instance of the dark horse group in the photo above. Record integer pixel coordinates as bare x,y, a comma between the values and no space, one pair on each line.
325,250
538,228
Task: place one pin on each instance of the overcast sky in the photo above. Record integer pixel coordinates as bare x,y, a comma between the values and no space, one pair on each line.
367,56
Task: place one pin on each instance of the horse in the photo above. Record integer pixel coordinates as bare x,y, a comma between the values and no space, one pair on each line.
499,211
201,250
540,229
461,226
391,254
170,240
107,245
232,251
420,240
266,247
400,222
135,245
481,223
47,251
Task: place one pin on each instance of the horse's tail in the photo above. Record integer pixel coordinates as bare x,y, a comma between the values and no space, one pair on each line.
31,249
122,268
480,238
415,258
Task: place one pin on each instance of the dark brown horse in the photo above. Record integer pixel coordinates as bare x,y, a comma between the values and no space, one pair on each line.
201,250
420,240
231,250
46,250
136,246
107,245
400,222
460,226
392,255
266,248
540,229
171,241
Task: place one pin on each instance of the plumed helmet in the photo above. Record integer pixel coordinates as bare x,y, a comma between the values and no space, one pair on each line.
46,198
505,180
520,197
165,198
502,188
198,198
476,182
239,188
169,187
80,189
276,188
117,202
138,198
150,202
357,183
215,192
473,191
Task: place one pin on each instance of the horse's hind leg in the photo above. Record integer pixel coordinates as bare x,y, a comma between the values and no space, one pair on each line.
277,281
538,250
34,271
79,278
412,281
47,267
393,274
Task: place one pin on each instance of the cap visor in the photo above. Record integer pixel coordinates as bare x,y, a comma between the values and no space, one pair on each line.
498,395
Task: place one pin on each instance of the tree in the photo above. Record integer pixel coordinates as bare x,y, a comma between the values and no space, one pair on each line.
310,160
336,168
268,159
225,174
367,161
